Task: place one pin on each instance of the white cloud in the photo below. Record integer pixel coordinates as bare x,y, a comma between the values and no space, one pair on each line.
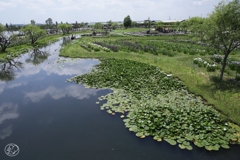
103,10
5,5
8,111
201,2
76,91
13,85
5,132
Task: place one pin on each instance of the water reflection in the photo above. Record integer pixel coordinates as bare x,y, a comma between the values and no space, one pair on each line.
37,56
79,92
7,111
65,40
8,68
5,132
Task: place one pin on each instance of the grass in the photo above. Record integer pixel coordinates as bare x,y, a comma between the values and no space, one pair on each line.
225,98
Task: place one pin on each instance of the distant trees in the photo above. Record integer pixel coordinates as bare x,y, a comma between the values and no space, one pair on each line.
114,25
33,22
82,25
33,32
98,25
49,23
159,26
5,40
65,27
127,22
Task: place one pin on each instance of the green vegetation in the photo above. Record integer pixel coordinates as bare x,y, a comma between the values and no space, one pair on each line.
221,30
65,28
127,22
158,105
5,41
33,32
223,95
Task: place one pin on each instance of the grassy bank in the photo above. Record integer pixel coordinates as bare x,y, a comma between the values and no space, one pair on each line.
43,41
223,96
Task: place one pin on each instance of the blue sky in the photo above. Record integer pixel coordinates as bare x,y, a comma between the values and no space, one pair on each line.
23,11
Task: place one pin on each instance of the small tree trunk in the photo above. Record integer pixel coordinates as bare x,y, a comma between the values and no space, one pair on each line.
223,65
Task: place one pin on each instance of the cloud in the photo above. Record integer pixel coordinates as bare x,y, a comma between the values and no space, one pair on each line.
201,2
16,85
5,5
8,111
5,132
76,91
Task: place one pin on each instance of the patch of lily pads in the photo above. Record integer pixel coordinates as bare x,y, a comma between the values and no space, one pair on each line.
156,104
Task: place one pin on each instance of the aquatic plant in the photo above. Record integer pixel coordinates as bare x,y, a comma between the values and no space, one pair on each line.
154,103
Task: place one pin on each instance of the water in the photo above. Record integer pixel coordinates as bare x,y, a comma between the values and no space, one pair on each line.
51,119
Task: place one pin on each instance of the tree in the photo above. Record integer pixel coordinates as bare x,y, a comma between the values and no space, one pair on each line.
184,26
223,31
65,27
76,25
33,32
5,40
127,22
134,24
196,25
49,23
114,25
82,25
6,26
33,22
159,26
109,24
98,25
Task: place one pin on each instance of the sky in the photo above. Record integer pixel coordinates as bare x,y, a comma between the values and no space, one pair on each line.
23,11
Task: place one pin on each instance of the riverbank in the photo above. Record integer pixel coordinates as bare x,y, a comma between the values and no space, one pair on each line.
43,41
225,98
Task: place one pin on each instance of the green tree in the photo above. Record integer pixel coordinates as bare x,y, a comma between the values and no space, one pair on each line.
33,32
223,29
33,22
82,24
127,22
6,26
49,23
98,25
184,26
197,28
5,40
65,28
134,24
159,26
109,24
114,25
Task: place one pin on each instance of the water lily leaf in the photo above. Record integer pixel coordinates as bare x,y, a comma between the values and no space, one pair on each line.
189,147
225,146
189,137
181,146
171,141
139,134
209,148
198,144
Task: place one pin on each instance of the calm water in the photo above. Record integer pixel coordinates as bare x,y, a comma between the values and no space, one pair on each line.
51,119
